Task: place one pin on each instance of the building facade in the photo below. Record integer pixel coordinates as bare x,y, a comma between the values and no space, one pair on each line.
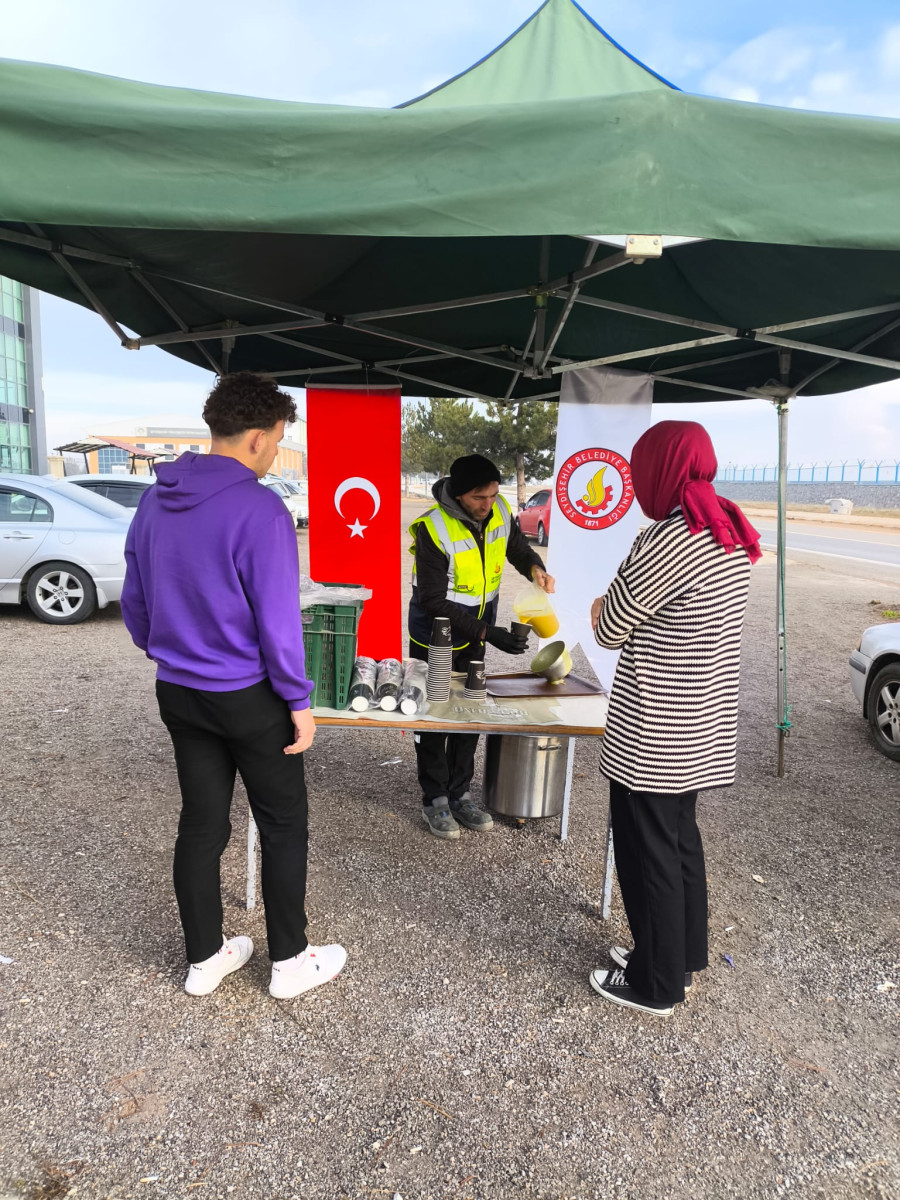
169,442
23,439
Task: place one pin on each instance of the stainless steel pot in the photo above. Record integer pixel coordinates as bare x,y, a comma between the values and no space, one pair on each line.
525,776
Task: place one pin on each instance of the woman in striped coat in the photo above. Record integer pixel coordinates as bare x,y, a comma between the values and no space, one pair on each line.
676,610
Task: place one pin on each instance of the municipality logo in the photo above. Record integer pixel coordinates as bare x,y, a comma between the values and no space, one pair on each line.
594,488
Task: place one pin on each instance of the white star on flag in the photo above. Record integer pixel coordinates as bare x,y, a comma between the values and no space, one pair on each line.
356,530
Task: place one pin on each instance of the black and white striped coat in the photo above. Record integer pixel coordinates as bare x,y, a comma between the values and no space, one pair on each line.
676,610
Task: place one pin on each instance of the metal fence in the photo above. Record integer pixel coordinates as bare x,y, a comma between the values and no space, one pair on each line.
859,471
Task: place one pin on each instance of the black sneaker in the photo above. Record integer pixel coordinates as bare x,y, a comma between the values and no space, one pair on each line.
440,820
620,956
612,986
467,813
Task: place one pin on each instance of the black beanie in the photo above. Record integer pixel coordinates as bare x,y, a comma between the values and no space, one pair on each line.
470,472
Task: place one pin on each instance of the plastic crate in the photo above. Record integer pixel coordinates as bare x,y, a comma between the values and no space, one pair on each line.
329,643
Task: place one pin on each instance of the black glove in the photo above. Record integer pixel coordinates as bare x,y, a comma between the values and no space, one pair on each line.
506,640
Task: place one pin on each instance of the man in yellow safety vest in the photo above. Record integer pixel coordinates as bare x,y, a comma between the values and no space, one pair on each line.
461,545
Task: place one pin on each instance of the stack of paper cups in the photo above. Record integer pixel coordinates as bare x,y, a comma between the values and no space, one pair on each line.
440,661
476,687
415,681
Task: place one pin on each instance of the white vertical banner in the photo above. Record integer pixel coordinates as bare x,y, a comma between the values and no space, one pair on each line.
595,517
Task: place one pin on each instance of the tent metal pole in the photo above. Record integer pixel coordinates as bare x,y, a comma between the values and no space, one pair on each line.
781,407
567,309
412,310
867,341
170,311
440,389
665,372
650,352
96,304
540,306
747,394
227,330
44,243
870,360
392,335
356,364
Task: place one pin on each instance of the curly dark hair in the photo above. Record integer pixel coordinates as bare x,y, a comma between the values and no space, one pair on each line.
245,401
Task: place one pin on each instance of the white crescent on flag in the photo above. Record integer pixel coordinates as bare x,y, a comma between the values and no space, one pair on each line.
357,482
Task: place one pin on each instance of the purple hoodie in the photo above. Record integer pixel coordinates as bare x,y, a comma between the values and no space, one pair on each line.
213,580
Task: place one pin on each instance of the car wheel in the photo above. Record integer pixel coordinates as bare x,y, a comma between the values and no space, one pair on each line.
61,594
541,534
883,710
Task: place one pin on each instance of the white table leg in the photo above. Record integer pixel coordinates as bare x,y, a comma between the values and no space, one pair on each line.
608,870
567,795
251,864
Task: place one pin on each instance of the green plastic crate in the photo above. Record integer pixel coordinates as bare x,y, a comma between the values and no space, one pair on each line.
329,643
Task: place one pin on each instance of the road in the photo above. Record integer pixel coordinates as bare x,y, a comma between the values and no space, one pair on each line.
863,552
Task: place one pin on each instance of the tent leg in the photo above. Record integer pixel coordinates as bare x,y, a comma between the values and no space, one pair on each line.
781,408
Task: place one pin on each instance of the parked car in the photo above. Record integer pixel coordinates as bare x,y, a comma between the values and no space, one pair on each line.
123,489
296,502
62,548
875,679
534,518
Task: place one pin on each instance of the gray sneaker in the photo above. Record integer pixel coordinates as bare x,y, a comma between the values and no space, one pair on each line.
467,813
440,820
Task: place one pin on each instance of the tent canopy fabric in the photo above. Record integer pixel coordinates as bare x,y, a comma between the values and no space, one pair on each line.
442,244
558,53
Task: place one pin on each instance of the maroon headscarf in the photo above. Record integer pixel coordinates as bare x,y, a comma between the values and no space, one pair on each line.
673,464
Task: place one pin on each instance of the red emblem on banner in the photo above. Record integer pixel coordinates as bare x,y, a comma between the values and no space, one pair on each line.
354,505
594,488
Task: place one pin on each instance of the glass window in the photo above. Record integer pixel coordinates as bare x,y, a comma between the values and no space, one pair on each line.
169,446
22,506
111,456
86,499
196,449
128,495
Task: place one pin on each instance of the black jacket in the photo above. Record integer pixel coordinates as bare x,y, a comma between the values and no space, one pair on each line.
429,598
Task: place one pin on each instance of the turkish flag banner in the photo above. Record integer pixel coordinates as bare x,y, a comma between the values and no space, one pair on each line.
354,505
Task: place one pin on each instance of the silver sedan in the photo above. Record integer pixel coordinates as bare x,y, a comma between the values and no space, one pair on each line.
875,679
62,548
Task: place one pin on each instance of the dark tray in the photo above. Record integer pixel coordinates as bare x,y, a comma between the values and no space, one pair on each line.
516,684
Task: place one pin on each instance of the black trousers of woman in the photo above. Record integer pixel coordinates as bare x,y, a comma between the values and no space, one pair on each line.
215,735
662,877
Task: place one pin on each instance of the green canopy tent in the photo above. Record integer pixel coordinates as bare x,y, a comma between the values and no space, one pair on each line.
446,244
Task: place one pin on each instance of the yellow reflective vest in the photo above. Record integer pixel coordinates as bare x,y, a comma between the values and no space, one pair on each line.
471,582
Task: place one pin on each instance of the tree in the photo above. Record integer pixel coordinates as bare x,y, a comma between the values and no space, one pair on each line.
521,440
518,437
437,431
412,444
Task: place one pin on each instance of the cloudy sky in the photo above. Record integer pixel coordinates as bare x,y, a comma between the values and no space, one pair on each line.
824,54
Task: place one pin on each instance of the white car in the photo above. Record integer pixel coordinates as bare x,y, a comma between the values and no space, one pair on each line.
62,548
875,679
123,489
296,502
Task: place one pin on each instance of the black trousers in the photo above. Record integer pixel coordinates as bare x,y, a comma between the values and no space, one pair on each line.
662,877
445,764
216,734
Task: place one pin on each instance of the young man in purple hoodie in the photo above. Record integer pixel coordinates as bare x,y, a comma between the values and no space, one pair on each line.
211,594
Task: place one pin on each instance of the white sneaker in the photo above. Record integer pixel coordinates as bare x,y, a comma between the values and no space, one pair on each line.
205,977
315,966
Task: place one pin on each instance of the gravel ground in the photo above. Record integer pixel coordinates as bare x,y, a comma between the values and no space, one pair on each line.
462,1052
